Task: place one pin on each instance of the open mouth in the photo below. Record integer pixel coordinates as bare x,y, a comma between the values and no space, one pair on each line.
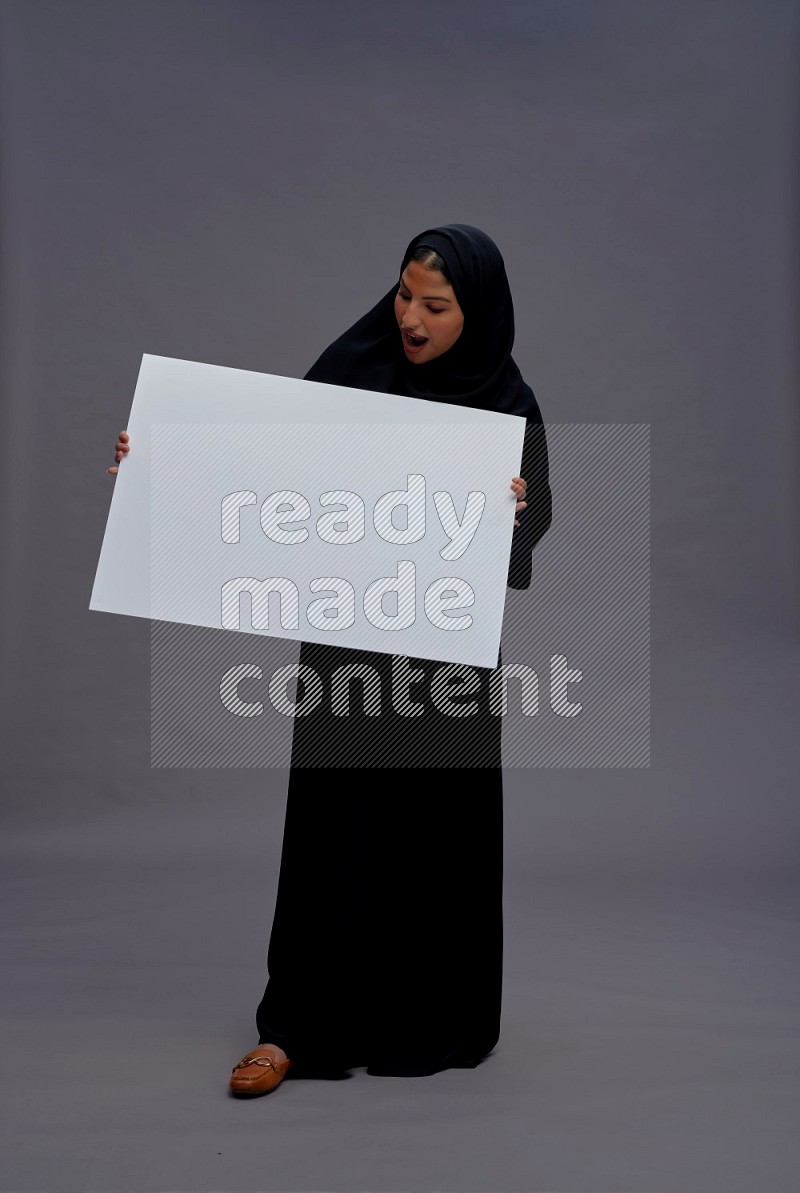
414,343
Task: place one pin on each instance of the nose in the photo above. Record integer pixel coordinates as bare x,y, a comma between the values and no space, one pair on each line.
410,318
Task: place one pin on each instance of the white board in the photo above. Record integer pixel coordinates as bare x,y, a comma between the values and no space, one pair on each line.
196,533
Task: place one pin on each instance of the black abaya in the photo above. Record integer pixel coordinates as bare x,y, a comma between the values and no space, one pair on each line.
387,942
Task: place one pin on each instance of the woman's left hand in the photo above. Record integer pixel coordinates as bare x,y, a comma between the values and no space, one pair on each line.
519,486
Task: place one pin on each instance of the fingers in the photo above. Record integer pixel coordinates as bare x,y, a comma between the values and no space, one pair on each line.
121,449
519,486
122,446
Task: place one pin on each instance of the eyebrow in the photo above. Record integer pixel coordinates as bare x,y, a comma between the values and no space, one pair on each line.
426,297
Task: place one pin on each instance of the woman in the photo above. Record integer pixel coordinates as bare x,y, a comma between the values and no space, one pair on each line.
386,946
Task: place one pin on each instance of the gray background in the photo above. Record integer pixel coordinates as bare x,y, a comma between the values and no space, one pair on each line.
233,183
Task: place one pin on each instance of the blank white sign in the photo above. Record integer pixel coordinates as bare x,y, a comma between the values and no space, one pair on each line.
270,505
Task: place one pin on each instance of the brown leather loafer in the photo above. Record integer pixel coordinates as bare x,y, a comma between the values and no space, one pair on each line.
258,1072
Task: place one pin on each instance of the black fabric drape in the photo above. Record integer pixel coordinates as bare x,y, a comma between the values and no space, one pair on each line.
386,947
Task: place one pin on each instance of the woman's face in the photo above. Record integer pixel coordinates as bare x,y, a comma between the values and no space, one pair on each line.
427,313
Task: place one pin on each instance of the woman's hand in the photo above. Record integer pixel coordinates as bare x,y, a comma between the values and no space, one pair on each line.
122,448
519,486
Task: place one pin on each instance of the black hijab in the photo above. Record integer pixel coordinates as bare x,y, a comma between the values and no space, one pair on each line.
478,370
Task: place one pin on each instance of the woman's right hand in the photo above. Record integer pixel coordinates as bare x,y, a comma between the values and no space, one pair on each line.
121,449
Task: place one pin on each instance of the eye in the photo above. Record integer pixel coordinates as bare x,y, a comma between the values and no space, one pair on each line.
407,298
